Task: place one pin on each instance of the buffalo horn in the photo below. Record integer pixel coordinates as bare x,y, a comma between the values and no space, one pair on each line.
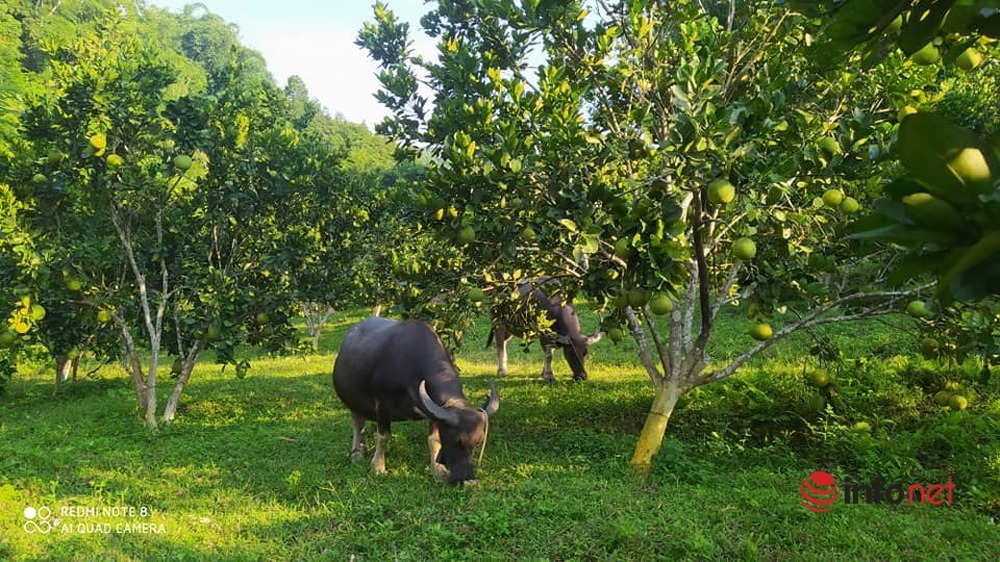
594,338
436,412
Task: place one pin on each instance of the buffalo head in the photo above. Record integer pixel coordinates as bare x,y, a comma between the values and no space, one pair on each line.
575,350
462,428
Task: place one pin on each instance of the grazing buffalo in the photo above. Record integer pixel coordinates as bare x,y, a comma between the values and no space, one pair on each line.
390,371
565,329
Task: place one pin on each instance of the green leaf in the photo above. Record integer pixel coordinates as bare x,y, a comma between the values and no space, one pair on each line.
923,25
570,225
988,247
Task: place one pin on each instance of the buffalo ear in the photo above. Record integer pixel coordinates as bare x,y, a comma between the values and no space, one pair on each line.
433,410
492,403
563,340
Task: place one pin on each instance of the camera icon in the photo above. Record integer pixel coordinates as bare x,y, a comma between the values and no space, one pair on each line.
37,520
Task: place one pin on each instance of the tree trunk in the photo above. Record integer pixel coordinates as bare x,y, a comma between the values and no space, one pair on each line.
170,411
64,367
651,436
377,309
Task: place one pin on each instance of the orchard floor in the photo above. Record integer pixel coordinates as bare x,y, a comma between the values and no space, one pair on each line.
258,468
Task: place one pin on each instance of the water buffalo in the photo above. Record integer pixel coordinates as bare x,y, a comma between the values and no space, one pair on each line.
391,371
565,328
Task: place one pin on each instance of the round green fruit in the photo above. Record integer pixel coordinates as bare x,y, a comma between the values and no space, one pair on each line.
263,318
636,298
849,206
7,338
182,162
103,316
39,178
815,404
918,309
927,55
465,235
721,192
958,402
661,304
761,331
616,335
819,378
833,197
929,348
972,167
213,333
528,234
830,145
942,398
54,156
37,312
969,59
476,294
115,161
744,248
862,427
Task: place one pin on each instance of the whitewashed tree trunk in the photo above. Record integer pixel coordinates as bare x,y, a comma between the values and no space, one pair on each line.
315,314
170,411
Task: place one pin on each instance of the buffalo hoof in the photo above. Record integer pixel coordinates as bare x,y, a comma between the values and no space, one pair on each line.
548,377
582,377
357,456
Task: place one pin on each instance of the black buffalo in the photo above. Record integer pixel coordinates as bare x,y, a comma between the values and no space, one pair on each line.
564,330
391,371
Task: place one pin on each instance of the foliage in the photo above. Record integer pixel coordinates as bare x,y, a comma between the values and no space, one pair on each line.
636,109
165,194
951,171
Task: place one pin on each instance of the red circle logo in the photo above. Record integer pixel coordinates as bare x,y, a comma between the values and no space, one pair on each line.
819,491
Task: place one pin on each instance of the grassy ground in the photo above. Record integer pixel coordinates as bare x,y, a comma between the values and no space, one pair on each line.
258,469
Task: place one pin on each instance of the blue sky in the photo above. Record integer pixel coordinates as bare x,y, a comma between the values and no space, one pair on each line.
315,40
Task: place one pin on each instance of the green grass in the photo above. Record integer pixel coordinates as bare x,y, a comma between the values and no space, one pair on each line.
258,469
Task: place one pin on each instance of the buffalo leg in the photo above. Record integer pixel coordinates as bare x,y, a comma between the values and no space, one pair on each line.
357,444
547,363
434,446
378,461
501,336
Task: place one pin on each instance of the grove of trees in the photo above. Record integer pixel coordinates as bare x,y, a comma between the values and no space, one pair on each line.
804,163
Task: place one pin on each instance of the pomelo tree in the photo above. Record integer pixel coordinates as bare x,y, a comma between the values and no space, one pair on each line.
601,133
166,198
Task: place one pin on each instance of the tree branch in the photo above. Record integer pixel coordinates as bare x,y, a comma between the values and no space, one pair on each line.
644,355
814,319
